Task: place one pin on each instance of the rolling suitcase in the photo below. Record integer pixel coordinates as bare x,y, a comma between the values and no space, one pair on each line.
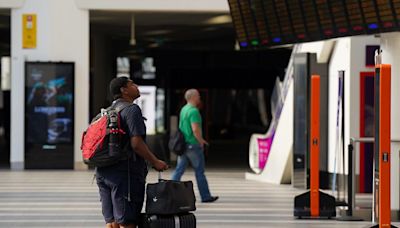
168,221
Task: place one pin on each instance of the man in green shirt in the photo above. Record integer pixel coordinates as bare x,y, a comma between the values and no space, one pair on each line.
190,125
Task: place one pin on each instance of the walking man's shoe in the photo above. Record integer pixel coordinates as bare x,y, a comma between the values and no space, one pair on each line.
212,199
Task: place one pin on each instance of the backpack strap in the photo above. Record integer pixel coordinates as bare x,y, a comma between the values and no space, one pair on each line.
120,104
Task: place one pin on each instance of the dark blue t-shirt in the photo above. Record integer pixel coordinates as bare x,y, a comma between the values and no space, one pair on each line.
132,122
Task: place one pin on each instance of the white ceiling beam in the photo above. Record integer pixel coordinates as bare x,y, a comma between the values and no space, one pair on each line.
217,6
7,4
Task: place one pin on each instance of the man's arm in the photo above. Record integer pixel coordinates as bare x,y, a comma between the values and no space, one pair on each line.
197,134
143,150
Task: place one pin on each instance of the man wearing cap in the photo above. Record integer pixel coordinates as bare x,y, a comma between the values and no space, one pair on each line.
122,186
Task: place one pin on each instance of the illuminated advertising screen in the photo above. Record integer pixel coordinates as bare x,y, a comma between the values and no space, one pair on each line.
49,102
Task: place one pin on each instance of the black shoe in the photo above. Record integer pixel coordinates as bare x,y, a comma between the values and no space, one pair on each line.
212,199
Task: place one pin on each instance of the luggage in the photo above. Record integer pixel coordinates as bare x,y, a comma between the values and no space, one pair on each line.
169,197
168,221
168,205
177,143
101,142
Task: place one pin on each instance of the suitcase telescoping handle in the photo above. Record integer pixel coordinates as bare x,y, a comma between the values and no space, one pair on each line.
159,176
160,179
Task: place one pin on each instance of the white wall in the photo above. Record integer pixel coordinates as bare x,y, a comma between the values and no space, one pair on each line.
62,35
312,47
357,63
349,55
211,6
11,3
340,60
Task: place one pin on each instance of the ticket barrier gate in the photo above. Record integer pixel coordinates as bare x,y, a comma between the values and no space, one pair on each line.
381,214
381,203
314,203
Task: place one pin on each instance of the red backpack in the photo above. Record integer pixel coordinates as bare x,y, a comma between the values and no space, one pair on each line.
102,141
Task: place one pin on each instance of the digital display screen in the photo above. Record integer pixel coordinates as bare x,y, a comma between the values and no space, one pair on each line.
284,20
248,21
49,102
297,19
386,15
272,22
370,15
340,21
396,10
263,23
259,15
324,16
238,23
311,20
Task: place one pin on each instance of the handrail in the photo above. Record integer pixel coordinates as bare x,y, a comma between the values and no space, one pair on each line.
362,139
351,193
369,139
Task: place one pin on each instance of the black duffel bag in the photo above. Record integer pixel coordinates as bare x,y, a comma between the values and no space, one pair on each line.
168,197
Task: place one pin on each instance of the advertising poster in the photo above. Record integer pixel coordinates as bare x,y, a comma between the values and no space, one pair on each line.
264,146
49,102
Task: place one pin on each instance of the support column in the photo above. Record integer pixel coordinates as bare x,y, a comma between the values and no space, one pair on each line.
62,35
390,44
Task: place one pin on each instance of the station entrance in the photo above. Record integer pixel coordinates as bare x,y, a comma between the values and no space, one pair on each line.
174,52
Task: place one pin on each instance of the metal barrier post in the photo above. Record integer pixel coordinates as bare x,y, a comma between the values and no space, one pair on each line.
350,186
351,179
350,192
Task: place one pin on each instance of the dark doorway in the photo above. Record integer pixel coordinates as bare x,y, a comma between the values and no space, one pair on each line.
5,65
367,122
230,84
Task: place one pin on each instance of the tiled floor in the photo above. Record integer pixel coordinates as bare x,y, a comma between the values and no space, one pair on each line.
69,199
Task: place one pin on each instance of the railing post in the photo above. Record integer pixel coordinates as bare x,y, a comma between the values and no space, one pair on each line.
350,196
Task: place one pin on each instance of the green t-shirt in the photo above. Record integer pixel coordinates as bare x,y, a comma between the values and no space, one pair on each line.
189,114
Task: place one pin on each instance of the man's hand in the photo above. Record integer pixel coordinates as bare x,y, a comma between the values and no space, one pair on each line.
141,148
197,134
204,143
160,165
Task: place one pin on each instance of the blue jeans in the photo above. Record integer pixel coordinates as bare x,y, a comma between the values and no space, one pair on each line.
193,154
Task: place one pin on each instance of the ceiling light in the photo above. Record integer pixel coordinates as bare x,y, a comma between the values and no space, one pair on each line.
157,32
208,29
154,45
222,19
132,41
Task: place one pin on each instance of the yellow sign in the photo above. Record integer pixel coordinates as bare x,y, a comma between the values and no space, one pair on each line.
29,31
